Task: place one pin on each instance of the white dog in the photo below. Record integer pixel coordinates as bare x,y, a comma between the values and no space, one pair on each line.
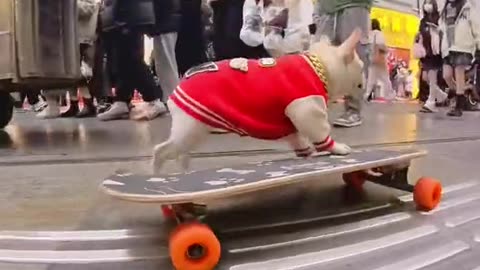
284,98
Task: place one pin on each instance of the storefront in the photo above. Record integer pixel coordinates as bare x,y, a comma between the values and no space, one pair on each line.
399,23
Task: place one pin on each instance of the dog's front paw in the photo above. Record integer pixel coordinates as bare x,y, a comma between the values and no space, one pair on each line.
340,149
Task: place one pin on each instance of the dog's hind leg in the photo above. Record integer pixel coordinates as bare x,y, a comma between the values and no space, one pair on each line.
185,134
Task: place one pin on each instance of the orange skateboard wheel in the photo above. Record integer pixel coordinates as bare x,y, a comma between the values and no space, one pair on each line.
354,180
427,193
194,246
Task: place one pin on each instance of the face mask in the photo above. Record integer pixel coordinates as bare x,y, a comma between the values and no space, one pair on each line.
428,8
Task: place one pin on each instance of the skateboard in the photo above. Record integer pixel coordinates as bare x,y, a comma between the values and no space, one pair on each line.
184,197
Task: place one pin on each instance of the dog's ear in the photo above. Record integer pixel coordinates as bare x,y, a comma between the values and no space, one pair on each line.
347,49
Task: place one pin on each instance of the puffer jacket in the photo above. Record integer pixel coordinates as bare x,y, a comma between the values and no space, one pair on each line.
167,15
282,28
467,32
152,17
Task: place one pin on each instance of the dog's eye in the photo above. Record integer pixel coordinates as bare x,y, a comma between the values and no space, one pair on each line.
359,86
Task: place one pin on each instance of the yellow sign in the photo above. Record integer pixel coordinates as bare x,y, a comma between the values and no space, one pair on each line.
399,28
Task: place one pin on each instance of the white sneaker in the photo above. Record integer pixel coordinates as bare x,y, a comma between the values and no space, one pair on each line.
429,107
119,110
50,111
148,110
441,96
39,106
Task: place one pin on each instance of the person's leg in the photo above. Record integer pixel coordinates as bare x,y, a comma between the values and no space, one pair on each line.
133,73
52,110
37,103
325,25
86,87
73,107
347,21
191,32
23,95
145,83
119,56
460,91
88,109
166,63
372,81
384,77
448,76
33,97
429,105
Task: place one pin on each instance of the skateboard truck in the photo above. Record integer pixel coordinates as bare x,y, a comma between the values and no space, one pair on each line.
185,212
427,192
397,179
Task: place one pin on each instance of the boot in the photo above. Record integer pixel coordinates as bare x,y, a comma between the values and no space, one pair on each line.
457,111
88,109
72,109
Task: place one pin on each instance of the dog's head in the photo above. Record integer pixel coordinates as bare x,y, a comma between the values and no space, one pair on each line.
343,65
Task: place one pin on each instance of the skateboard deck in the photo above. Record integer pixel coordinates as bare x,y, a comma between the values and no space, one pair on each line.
217,183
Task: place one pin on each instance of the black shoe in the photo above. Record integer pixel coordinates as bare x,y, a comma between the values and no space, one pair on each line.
457,111
88,109
72,110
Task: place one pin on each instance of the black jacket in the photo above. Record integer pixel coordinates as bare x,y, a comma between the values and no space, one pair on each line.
168,16
153,17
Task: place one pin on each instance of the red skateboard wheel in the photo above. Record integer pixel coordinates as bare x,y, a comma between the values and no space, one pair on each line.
354,180
168,212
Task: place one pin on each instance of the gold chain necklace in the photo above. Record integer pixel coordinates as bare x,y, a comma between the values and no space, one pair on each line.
319,67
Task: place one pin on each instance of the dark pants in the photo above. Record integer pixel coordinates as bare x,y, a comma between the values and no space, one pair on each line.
191,44
125,50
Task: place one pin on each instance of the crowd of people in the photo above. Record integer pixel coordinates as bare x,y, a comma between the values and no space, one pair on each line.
187,33
447,43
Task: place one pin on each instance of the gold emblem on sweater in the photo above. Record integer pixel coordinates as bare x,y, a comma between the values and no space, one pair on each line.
318,67
267,62
239,64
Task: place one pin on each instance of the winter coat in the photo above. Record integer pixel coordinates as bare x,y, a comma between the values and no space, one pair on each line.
227,23
152,17
281,28
87,20
168,16
467,31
